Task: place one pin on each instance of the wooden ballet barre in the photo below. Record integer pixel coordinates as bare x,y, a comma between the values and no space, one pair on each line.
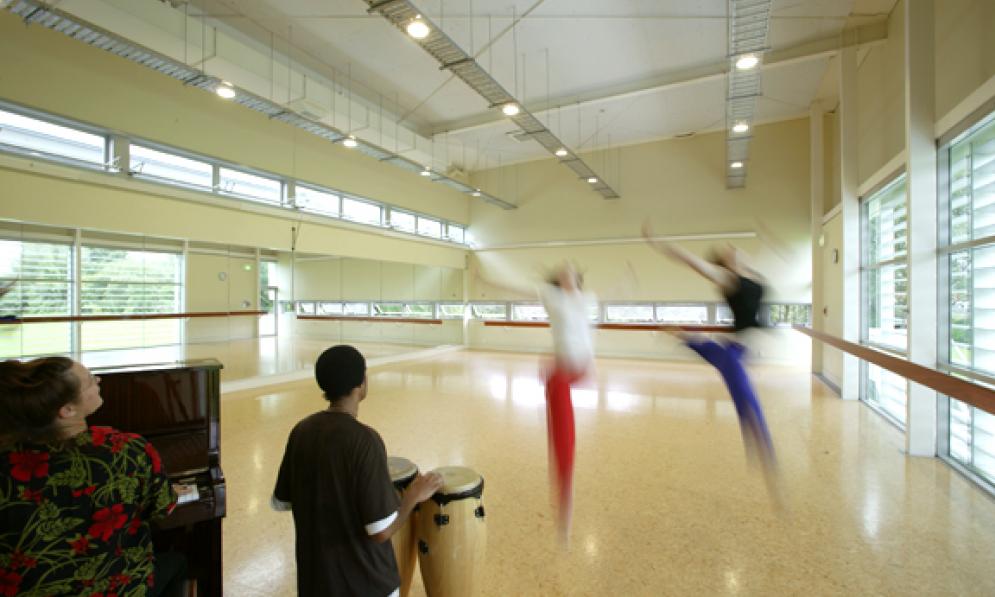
380,319
960,389
130,317
641,327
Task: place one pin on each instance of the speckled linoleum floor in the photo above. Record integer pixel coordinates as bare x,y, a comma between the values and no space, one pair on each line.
665,501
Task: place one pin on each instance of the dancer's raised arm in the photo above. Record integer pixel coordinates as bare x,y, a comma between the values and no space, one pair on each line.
721,276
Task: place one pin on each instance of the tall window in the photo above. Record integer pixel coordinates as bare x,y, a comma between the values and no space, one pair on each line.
968,192
39,278
885,285
116,281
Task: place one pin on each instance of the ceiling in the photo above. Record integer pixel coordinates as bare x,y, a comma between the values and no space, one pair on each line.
597,73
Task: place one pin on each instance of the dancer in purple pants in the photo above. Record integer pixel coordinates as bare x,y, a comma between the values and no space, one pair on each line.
743,292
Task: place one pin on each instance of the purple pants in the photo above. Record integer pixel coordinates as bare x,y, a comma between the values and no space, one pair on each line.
728,359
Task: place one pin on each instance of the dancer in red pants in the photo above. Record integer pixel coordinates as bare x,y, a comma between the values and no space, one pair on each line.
568,307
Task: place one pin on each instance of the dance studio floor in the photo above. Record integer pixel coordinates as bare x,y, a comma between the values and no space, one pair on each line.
665,504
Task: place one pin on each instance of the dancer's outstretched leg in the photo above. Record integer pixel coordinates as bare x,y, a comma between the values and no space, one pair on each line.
728,359
560,427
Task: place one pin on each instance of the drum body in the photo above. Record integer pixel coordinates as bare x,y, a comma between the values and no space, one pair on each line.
402,473
452,535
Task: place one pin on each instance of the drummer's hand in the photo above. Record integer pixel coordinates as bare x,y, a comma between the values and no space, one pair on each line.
424,486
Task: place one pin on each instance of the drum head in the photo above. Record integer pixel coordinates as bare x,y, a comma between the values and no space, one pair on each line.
402,470
458,480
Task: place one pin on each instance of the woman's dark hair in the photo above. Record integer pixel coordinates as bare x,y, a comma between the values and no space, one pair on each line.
339,370
31,394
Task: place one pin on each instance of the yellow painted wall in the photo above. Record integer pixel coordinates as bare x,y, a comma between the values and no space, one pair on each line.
680,185
965,49
59,75
881,99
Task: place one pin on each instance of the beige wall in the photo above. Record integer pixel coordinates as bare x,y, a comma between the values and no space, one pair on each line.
680,185
63,76
59,75
881,99
965,49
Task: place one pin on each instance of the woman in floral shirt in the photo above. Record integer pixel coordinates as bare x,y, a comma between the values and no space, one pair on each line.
75,501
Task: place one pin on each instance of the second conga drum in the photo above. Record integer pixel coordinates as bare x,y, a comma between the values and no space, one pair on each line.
402,473
452,535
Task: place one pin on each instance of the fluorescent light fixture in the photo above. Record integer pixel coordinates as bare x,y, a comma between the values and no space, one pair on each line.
736,165
510,109
350,142
740,127
592,180
562,153
418,29
426,172
225,90
747,62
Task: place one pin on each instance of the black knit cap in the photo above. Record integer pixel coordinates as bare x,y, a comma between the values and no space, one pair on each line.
339,370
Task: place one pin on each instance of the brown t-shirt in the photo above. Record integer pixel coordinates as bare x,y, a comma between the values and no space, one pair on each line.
334,474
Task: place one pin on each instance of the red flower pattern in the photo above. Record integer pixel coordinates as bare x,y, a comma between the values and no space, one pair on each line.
119,580
86,491
100,434
30,495
106,521
80,545
25,465
154,455
10,582
114,528
19,560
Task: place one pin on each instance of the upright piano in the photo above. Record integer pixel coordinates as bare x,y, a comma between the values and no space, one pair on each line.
176,406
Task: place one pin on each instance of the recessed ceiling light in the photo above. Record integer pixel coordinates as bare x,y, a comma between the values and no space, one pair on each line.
350,142
592,180
740,127
426,172
475,193
736,165
418,29
510,109
562,153
747,61
225,90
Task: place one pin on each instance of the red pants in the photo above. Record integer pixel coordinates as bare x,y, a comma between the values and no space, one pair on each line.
560,429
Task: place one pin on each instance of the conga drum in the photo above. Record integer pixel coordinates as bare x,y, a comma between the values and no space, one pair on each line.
452,535
402,473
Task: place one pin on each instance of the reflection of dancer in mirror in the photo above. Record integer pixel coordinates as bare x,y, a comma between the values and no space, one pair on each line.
567,306
743,290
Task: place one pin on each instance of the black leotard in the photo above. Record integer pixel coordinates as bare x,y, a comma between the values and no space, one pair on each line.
745,303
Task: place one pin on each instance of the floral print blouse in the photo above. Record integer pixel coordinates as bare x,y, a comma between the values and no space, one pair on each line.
74,516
